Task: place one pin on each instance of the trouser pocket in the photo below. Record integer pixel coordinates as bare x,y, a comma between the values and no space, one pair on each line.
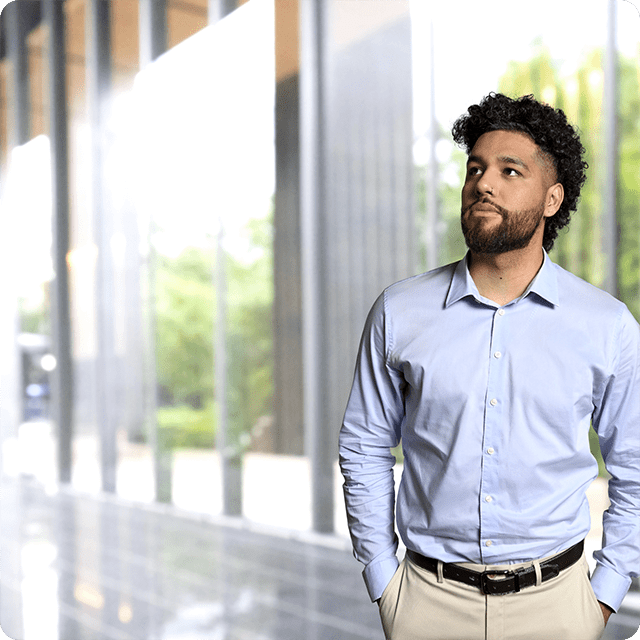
388,604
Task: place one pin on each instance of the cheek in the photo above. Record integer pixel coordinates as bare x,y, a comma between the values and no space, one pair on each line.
467,191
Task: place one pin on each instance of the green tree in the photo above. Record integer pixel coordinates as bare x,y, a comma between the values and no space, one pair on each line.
250,335
451,171
578,248
628,193
186,304
184,327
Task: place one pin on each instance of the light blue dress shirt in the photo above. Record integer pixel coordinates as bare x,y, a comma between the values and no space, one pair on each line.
493,405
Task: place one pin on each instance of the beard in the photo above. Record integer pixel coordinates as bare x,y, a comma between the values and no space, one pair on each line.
514,231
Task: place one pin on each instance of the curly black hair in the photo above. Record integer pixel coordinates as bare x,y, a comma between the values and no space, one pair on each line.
548,128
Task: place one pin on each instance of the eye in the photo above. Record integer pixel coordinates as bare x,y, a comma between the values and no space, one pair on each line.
512,172
473,171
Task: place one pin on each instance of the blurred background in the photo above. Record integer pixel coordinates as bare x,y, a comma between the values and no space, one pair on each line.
201,199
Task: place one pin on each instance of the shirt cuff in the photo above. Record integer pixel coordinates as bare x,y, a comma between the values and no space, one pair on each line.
610,587
377,575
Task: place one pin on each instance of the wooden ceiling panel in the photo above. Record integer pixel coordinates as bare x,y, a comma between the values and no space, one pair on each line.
36,90
76,75
287,39
74,10
185,18
125,38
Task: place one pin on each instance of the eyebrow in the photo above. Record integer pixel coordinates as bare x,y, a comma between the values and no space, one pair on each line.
514,160
506,159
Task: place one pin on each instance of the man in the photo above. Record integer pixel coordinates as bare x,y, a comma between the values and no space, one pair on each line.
490,371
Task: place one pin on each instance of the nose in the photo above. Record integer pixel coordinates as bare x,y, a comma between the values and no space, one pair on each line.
484,186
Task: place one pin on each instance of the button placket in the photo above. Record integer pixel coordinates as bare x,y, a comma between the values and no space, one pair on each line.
492,433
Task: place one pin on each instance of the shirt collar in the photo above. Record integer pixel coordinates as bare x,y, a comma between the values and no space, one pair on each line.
544,285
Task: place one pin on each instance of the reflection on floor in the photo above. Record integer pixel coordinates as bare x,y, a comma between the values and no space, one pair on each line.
80,567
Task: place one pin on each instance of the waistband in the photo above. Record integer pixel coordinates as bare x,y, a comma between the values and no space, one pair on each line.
501,581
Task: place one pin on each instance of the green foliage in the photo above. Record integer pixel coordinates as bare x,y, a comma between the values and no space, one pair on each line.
184,327
628,195
453,246
579,247
250,336
33,319
185,341
450,239
594,444
183,426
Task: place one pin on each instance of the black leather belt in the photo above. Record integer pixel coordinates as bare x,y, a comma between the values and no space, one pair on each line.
495,583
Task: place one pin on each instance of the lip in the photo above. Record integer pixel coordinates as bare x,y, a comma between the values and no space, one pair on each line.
483,207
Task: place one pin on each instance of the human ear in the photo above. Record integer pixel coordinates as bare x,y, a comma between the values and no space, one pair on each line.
553,200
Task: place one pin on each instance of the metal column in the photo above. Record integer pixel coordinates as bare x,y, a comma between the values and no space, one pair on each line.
230,460
18,126
98,61
610,230
432,222
16,39
319,436
153,43
18,133
10,363
153,30
218,9
61,316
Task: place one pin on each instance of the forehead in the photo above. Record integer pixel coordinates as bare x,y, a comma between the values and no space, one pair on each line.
496,144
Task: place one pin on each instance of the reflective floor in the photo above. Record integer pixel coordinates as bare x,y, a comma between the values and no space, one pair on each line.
81,568
77,567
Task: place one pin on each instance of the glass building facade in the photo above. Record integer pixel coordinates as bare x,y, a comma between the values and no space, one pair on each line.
201,199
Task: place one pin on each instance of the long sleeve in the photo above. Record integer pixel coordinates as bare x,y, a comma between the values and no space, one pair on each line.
371,426
617,422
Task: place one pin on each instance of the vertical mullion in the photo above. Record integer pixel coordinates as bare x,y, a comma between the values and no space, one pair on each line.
610,223
313,174
61,313
98,64
432,214
153,30
153,24
16,38
230,458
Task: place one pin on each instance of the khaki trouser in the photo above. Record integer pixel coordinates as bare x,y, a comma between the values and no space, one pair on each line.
417,606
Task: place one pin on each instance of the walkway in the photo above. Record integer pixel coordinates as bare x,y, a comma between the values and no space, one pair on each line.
80,567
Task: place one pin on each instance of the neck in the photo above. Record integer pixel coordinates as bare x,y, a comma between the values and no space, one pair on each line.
506,276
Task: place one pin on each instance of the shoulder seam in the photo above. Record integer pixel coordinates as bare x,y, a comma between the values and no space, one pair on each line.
388,342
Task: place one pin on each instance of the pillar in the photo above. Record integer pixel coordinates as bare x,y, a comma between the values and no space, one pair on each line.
98,65
62,380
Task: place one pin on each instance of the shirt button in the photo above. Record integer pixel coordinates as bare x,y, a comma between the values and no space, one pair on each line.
488,543
491,451
493,402
488,499
497,354
500,312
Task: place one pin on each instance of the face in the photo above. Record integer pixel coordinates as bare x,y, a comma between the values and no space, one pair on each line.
509,190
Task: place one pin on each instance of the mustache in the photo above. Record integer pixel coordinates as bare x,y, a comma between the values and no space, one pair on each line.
484,200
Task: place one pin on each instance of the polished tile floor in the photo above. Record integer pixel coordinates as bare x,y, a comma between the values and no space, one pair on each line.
76,567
